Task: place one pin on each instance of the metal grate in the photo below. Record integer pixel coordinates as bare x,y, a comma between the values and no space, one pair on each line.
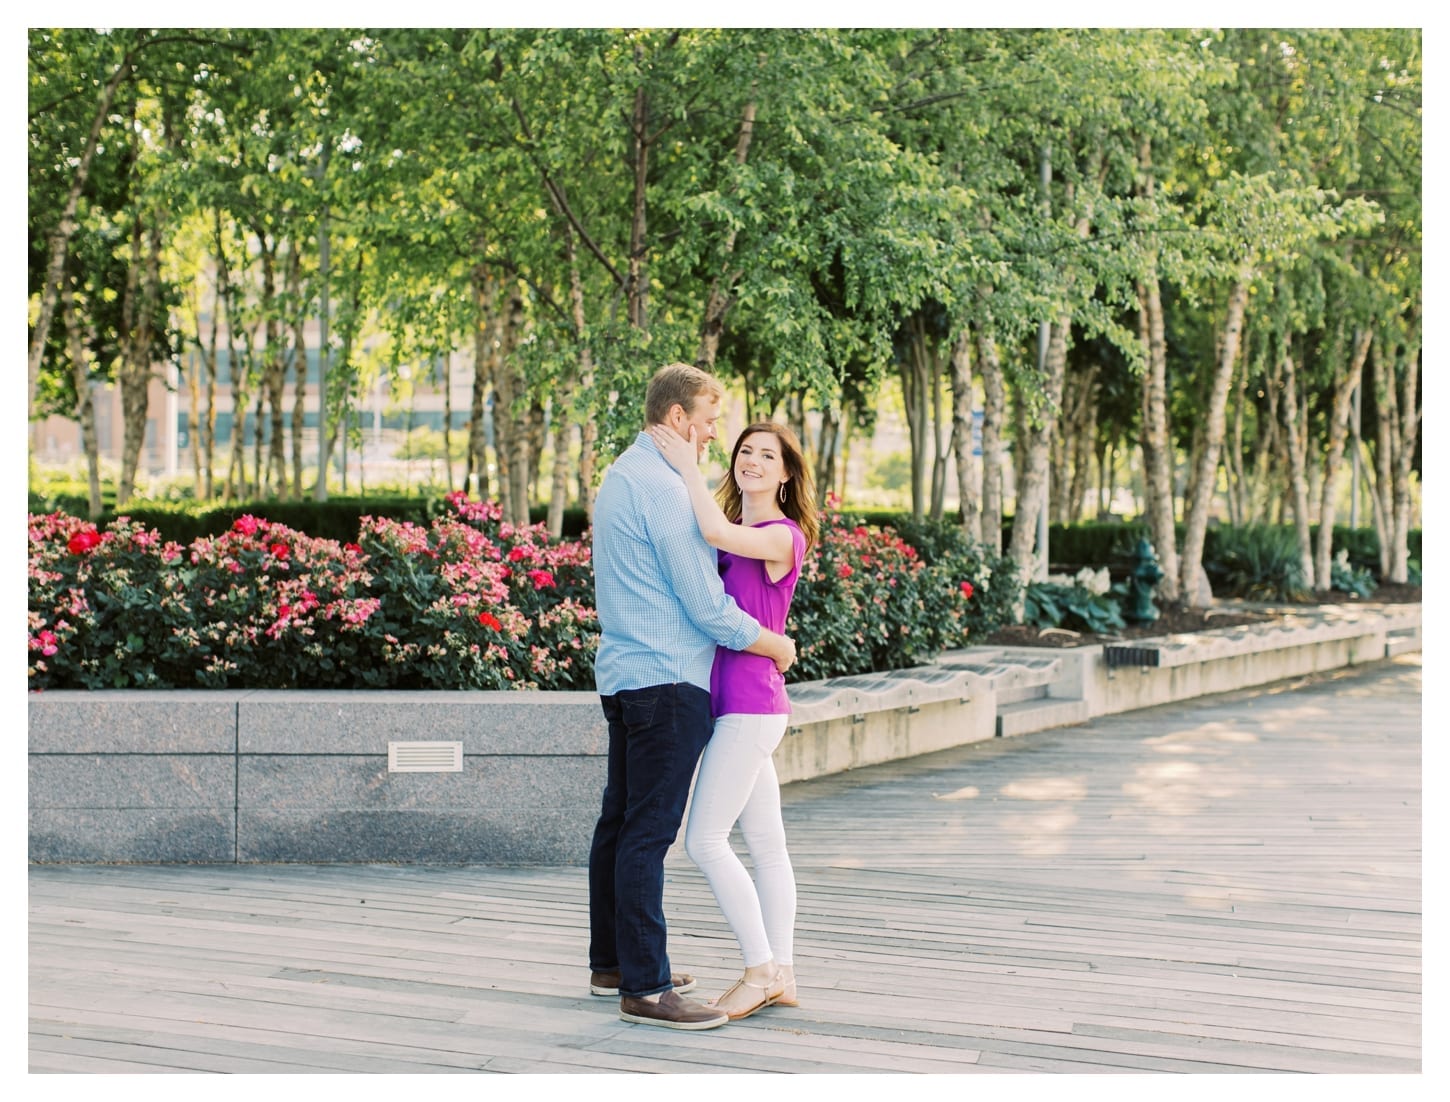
425,757
1116,658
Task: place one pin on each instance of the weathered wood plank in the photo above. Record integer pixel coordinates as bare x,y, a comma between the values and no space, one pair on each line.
1227,886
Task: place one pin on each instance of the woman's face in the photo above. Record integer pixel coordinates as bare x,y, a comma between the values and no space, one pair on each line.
760,464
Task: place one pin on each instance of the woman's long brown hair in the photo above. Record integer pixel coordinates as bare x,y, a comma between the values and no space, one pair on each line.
800,488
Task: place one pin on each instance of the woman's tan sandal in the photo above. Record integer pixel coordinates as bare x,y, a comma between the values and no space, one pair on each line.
766,997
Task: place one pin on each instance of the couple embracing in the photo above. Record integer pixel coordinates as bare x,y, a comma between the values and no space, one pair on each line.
691,657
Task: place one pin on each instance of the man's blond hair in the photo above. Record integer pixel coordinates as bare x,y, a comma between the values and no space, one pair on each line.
680,383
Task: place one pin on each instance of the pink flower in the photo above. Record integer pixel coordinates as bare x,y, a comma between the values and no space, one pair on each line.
844,571
542,579
84,541
246,525
489,620
967,590
45,642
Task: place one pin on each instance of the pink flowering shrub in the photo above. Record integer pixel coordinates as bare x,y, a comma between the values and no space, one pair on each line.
868,600
466,603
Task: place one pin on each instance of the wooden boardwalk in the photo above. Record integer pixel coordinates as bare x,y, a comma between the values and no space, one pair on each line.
1228,885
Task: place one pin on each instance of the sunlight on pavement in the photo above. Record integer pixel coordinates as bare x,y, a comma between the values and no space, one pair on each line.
1047,788
971,792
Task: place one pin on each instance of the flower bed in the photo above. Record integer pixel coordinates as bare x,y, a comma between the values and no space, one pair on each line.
466,602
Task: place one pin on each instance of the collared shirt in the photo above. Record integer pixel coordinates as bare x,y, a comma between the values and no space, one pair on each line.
662,607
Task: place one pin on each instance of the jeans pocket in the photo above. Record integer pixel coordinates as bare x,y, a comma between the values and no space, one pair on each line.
638,709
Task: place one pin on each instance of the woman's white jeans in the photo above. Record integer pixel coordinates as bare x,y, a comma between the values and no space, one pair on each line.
737,782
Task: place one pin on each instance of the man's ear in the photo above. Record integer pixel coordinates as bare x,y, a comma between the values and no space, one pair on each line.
677,417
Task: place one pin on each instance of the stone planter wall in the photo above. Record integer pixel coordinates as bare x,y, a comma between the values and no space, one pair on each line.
258,776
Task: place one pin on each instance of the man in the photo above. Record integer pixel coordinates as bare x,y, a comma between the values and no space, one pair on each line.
662,611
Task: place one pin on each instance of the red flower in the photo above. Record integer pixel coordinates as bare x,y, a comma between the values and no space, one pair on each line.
279,550
844,570
87,539
246,525
517,554
45,642
542,579
352,548
967,590
489,620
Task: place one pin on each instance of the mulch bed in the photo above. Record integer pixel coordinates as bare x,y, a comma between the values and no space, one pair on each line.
1174,619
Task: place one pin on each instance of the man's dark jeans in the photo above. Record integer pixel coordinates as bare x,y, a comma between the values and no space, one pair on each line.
656,736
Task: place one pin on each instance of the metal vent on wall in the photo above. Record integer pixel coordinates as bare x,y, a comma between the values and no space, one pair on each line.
425,757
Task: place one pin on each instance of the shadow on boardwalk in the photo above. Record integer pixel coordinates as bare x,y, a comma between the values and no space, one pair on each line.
1232,884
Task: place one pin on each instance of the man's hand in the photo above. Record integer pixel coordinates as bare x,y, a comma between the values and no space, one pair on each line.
786,659
780,649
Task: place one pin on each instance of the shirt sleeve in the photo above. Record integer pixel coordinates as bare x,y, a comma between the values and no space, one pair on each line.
690,567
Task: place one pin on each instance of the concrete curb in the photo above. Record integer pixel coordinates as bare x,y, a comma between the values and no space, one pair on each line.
321,777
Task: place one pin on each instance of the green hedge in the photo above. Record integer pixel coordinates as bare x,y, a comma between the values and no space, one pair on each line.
335,519
1089,544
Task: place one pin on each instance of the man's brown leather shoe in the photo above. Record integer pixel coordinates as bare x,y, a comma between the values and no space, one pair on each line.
672,1012
607,983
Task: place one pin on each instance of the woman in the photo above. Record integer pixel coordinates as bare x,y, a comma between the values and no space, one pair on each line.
762,520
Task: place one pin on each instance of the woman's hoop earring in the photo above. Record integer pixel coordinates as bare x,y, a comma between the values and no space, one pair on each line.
782,493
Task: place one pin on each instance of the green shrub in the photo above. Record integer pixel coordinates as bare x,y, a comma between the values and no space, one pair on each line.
1255,563
466,602
1349,578
460,600
995,581
1075,607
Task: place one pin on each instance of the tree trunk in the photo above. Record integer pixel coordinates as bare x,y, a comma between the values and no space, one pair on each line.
994,417
142,294
85,398
537,428
1157,442
637,285
1343,397
241,368
1196,515
1234,454
483,358
1260,495
448,419
261,468
1407,428
1032,480
509,420
559,485
274,373
968,476
338,426
719,299
1073,444
828,453
193,422
299,363
1298,487
939,442
915,372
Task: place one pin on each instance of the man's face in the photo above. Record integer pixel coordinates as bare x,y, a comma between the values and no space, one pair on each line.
703,418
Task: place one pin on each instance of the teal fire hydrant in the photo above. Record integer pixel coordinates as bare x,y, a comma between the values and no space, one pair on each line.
1142,582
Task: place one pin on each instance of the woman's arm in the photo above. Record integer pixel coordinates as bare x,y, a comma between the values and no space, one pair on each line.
771,543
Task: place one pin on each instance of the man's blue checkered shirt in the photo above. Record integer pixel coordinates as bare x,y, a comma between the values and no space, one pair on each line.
662,606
